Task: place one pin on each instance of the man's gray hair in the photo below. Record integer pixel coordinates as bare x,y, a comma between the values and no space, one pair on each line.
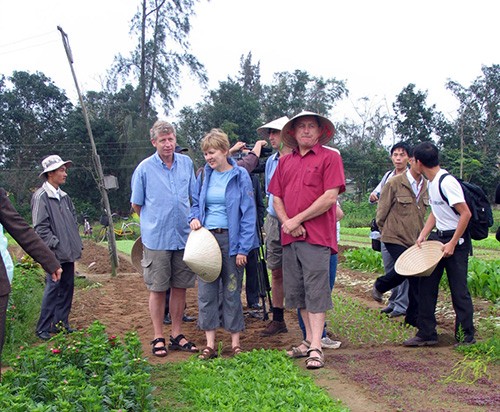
161,127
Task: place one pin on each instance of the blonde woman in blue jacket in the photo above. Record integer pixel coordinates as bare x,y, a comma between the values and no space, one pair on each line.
223,202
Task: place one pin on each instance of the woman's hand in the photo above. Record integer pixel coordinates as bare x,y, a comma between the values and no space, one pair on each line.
241,260
195,224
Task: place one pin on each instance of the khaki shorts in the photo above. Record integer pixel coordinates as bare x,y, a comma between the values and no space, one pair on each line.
274,250
306,277
164,269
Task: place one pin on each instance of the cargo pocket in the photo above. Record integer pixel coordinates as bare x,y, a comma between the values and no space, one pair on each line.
146,270
404,205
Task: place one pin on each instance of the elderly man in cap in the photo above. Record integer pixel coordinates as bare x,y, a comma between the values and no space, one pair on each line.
54,220
162,186
305,186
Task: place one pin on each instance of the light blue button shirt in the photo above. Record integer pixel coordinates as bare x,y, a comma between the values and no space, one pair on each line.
165,198
271,165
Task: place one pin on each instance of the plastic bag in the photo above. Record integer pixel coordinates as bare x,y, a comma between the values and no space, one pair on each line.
7,260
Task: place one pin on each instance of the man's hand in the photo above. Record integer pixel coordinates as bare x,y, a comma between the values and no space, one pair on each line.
56,276
373,197
241,260
195,224
237,147
299,232
448,249
290,226
420,239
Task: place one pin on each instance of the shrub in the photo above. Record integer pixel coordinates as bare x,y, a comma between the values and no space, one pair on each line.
364,259
83,371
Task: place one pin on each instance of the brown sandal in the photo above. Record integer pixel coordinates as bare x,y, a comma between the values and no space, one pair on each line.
296,352
318,360
236,351
207,353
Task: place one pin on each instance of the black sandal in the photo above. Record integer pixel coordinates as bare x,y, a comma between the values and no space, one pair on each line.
156,349
175,344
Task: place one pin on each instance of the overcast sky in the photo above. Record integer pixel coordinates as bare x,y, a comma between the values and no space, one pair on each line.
378,47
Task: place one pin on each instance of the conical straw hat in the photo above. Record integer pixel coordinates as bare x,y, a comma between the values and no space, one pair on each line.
202,254
136,254
420,261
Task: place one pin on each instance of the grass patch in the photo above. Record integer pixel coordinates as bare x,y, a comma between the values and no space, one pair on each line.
260,381
23,309
125,246
362,326
476,362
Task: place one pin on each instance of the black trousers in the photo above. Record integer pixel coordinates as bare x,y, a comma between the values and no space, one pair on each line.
456,269
392,279
57,300
252,278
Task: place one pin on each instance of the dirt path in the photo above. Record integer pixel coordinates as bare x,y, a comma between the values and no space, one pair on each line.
380,378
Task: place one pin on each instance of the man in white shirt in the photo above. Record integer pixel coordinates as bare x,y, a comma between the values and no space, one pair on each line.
450,220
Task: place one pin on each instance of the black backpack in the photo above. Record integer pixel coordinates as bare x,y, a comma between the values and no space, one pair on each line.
479,206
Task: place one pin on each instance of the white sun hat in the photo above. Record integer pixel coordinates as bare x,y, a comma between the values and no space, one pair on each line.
53,162
419,261
276,124
136,254
326,124
202,254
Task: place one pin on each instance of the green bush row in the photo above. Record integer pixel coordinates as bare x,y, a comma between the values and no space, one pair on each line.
84,371
483,275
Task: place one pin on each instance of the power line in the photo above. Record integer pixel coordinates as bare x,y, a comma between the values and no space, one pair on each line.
26,48
27,38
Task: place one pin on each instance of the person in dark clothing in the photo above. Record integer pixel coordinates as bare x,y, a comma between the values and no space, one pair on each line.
54,220
32,244
251,268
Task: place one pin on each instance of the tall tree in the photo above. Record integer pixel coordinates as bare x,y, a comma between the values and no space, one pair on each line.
415,121
249,76
360,142
32,115
472,151
291,93
162,28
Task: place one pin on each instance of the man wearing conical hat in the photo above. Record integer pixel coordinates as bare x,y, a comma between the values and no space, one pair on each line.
305,186
272,228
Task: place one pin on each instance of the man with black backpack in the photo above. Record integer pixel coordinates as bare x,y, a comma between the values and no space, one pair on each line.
451,230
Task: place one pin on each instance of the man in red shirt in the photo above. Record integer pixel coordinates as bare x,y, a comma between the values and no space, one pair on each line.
305,188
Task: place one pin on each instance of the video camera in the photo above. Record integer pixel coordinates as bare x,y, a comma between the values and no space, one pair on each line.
265,152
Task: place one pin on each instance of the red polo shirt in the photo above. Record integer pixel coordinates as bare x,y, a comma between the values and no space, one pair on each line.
299,181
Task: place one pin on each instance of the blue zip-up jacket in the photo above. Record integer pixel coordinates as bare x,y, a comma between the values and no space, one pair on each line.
240,208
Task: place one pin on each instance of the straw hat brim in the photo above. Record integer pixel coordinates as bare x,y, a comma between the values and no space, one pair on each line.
136,255
420,261
276,124
326,124
202,254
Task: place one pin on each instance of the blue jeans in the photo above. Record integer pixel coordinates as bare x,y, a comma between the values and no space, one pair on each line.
333,276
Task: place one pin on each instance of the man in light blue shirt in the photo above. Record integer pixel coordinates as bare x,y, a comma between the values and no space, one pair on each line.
272,228
162,186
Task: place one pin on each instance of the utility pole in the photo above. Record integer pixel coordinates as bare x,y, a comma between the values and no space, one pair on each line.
96,160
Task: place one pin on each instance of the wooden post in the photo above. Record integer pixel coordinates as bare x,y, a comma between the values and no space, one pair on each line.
96,160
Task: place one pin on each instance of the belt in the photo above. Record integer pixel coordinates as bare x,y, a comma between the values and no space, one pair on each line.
445,233
218,230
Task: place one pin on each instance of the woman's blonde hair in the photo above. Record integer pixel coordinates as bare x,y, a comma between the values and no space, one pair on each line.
215,139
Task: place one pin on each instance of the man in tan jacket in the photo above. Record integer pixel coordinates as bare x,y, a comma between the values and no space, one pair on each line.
400,217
